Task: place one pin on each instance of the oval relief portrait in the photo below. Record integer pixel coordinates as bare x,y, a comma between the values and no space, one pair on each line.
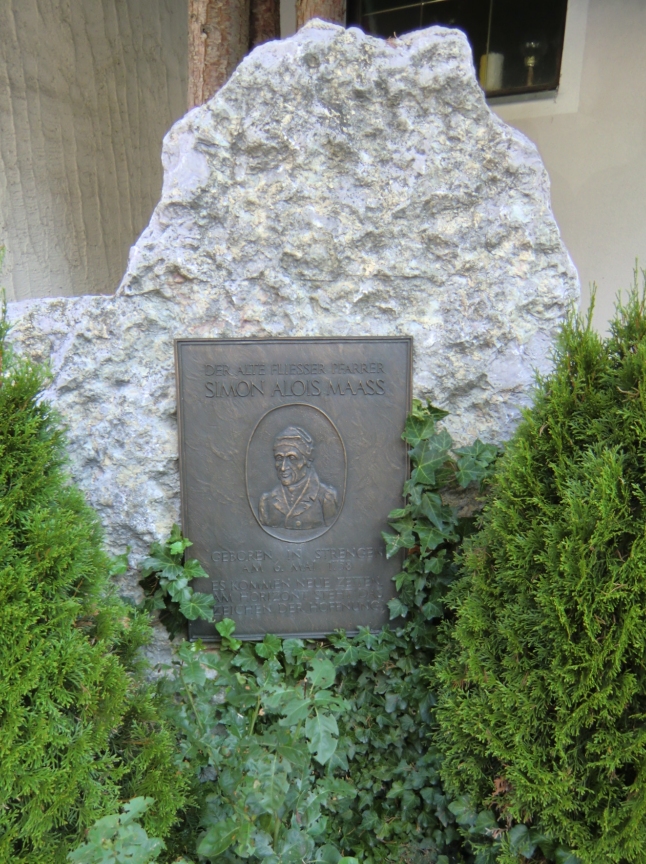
296,472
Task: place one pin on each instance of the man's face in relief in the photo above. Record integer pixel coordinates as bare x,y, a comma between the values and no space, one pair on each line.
291,464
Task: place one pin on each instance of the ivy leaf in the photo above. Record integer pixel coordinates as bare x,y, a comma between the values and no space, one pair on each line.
218,838
437,513
328,854
156,563
521,842
349,657
432,610
394,542
399,513
293,650
172,571
391,702
418,429
464,811
321,731
244,848
485,822
135,808
226,627
269,647
295,755
429,456
397,608
176,588
429,538
177,547
564,856
119,564
475,463
194,570
322,673
436,413
198,606
294,711
193,673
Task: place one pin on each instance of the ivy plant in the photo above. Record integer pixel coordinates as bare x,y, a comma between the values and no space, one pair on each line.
119,839
166,577
322,750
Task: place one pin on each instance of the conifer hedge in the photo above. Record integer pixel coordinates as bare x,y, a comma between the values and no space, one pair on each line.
79,728
542,699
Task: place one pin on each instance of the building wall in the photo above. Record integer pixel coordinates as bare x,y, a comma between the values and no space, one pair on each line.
87,90
595,152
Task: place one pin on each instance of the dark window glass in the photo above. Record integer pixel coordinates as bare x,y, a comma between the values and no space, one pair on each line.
516,44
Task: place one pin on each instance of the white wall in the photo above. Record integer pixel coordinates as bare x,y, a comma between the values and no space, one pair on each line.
87,90
592,138
596,153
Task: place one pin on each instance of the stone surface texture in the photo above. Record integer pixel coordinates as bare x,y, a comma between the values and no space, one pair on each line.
337,185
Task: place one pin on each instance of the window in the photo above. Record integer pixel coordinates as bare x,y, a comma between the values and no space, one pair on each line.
516,44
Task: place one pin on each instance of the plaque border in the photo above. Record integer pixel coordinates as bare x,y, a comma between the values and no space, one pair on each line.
266,340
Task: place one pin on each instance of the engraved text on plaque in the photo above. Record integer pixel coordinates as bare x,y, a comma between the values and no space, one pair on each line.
291,458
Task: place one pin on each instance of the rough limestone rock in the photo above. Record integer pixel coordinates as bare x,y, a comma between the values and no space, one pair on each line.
337,185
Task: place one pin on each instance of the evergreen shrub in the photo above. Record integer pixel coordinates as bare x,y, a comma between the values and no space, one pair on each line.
79,727
542,700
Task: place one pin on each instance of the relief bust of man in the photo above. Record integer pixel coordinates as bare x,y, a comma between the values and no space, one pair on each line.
300,502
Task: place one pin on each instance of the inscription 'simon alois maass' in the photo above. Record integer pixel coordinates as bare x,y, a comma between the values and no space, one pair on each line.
291,457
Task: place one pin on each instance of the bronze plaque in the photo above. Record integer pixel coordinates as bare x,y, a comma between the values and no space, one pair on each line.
291,458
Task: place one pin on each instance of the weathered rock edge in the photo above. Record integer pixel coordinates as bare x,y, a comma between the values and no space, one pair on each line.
337,185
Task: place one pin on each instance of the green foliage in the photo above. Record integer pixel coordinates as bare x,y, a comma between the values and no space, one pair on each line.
79,725
314,751
543,678
119,839
166,577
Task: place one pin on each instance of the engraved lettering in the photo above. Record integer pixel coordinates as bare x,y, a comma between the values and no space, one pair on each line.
246,483
226,556
301,387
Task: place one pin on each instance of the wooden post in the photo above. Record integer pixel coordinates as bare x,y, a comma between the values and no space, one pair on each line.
265,21
329,10
218,39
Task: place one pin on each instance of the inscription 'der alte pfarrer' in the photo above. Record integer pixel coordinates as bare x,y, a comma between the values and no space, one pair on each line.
290,459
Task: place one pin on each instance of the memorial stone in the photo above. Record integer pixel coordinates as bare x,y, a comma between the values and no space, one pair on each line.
338,185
